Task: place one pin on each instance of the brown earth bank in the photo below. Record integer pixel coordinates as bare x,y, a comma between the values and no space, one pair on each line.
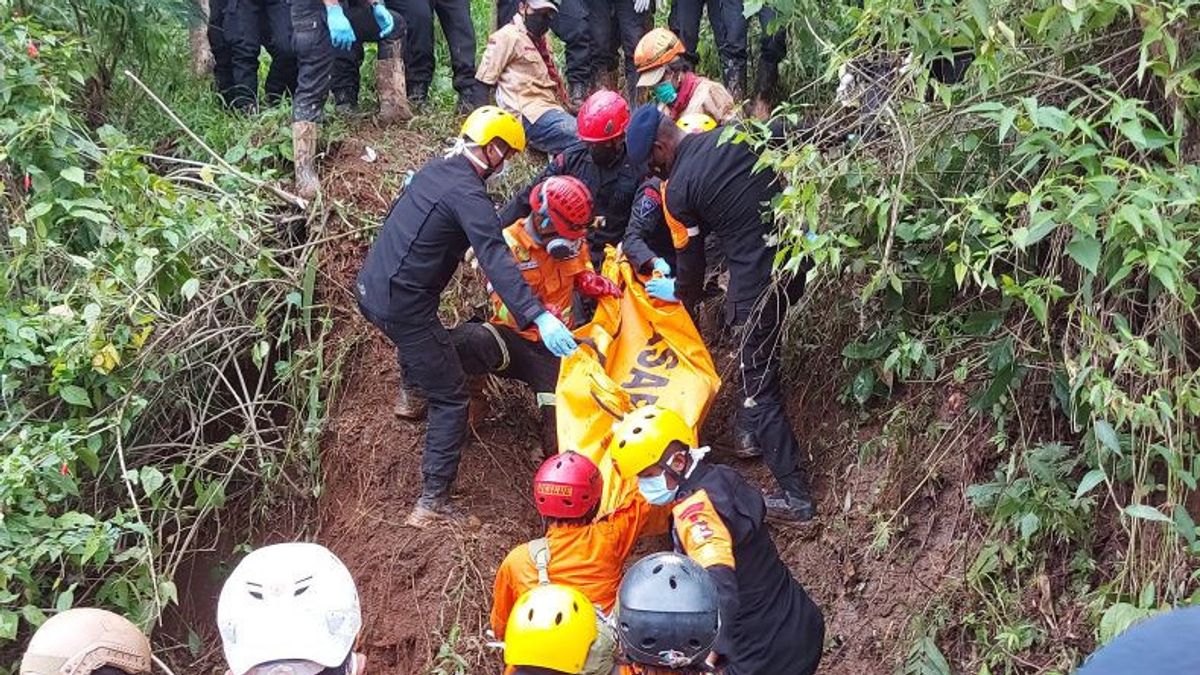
893,531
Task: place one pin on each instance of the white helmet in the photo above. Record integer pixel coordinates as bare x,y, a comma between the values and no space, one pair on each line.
82,640
288,602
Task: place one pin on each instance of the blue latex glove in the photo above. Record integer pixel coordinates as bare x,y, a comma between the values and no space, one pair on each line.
662,288
341,33
383,18
662,267
555,335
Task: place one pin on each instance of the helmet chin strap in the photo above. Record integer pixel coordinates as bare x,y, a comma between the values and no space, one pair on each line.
695,454
463,147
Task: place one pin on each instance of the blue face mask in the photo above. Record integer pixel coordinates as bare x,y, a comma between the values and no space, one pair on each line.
655,489
664,93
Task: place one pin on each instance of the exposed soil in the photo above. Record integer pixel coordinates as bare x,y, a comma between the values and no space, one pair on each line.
893,528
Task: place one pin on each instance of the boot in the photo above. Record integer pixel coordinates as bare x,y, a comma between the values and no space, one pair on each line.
765,83
480,407
433,507
745,445
390,84
735,80
578,91
606,79
418,92
789,507
304,153
549,434
410,405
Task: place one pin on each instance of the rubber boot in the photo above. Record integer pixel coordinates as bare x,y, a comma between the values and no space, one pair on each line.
549,433
765,83
304,154
789,507
390,84
606,79
410,405
745,445
433,507
578,93
734,76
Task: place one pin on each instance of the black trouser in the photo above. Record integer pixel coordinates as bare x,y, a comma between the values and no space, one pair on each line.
730,30
318,57
455,17
571,26
222,51
430,364
757,327
684,21
488,348
607,19
251,25
347,75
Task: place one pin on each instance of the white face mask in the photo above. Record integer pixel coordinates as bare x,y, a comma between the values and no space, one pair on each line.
462,147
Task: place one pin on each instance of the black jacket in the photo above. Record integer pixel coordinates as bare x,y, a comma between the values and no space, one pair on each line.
443,211
613,190
647,236
769,625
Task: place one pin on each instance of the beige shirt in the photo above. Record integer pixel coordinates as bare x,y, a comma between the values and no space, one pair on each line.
511,63
712,99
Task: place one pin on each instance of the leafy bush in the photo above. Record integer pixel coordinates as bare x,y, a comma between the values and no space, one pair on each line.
1032,231
147,371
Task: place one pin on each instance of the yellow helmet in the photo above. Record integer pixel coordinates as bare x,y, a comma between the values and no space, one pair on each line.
551,626
639,440
487,123
694,123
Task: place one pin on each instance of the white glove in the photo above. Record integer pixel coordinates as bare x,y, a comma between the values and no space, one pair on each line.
641,6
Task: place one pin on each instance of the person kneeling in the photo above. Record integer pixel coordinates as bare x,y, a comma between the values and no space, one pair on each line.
554,630
667,617
551,251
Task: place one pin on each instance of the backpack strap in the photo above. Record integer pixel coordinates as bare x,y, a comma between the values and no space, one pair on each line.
539,553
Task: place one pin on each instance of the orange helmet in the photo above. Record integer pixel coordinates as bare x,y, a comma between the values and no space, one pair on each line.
656,49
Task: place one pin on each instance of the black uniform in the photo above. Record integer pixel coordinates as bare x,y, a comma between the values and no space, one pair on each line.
714,189
612,191
442,212
614,23
346,84
730,31
455,18
570,24
317,56
222,51
250,26
647,236
769,625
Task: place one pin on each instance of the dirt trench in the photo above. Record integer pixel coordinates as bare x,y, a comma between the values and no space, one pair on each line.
893,532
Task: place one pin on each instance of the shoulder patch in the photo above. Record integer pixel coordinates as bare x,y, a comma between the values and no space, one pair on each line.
647,204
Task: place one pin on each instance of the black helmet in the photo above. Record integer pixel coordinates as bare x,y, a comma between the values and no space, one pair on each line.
667,611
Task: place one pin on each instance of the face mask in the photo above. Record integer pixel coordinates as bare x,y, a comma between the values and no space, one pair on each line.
605,154
655,489
664,92
559,248
537,23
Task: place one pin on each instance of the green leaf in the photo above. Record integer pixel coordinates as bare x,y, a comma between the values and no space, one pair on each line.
142,268
863,385
33,615
74,174
8,624
1184,525
38,210
979,11
1090,480
190,288
1085,251
151,479
1145,512
1118,618
1107,436
926,659
75,395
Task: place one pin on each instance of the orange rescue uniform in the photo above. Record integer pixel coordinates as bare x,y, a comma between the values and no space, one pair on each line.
552,280
590,558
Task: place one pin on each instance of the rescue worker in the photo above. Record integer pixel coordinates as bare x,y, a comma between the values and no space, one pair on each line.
554,630
653,235
221,50
578,550
251,26
768,622
455,19
716,188
321,28
619,25
82,641
518,63
290,609
667,616
730,30
665,70
444,210
572,26
601,163
552,254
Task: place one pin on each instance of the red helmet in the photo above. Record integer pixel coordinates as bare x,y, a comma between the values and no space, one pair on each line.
568,485
603,117
565,204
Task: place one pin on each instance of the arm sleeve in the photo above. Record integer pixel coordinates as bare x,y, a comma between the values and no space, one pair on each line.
479,221
518,206
706,538
495,59
646,216
690,260
503,598
720,105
